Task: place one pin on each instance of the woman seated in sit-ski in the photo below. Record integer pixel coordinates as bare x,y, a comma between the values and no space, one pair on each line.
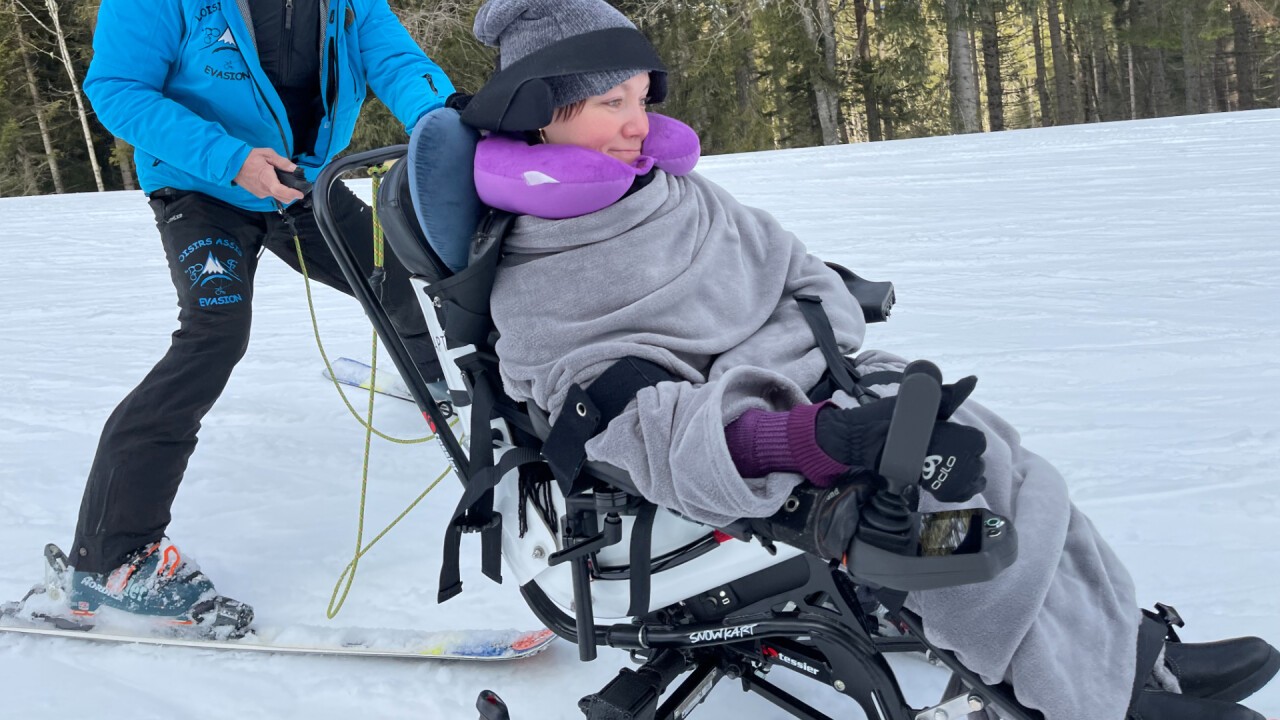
625,252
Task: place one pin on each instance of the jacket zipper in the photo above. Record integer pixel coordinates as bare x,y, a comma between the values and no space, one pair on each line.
286,47
253,43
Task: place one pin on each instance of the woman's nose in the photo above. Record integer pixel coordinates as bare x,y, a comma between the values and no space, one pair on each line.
637,125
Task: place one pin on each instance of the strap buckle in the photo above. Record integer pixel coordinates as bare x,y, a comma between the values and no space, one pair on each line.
1171,618
462,526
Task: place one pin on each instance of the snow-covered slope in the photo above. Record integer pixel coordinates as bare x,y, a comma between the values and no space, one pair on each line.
1115,287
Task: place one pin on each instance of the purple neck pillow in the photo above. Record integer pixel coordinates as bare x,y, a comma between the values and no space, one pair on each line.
564,181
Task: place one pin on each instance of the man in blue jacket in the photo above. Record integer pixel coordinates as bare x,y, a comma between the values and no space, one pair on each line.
216,96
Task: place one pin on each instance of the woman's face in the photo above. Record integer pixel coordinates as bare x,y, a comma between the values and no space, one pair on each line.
613,123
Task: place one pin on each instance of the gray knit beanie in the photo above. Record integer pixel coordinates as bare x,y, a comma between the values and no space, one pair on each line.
520,27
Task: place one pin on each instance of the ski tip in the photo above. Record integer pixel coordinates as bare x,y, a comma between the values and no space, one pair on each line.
489,645
533,639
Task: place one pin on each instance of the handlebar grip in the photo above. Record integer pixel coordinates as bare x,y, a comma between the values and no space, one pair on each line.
296,180
911,428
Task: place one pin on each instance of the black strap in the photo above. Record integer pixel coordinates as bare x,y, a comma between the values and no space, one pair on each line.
841,373
1151,638
478,514
586,412
606,398
880,377
464,298
820,324
642,559
474,511
482,484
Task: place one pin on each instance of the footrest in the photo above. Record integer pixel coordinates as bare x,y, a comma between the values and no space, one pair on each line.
629,696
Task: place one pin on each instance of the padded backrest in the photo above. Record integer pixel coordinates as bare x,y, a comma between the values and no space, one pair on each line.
440,170
401,228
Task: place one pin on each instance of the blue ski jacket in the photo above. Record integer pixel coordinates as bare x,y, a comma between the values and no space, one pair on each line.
181,82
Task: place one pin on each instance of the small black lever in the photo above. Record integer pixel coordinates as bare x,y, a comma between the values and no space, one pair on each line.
611,535
296,180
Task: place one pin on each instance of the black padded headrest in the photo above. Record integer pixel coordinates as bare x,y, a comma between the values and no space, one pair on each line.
517,98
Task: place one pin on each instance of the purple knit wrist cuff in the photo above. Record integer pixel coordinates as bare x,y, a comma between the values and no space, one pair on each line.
762,442
820,468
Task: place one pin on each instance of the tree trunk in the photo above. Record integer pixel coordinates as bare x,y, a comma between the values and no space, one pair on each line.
75,92
1159,87
37,104
1191,64
1042,73
991,66
819,26
1230,93
1089,79
975,47
887,121
1133,90
1064,104
1097,78
30,183
1106,74
1242,32
124,159
1219,96
744,74
964,77
1075,82
870,90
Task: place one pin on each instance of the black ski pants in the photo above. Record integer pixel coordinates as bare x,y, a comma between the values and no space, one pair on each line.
213,250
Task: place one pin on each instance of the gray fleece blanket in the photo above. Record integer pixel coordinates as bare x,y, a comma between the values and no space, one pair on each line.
681,274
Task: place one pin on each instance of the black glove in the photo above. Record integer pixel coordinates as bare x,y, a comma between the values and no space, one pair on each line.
953,468
457,101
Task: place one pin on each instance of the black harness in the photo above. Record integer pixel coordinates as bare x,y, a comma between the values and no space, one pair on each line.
463,300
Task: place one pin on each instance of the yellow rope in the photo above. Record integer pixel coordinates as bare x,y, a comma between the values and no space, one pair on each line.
344,583
349,573
315,327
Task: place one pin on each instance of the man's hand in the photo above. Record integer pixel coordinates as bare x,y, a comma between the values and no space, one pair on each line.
258,175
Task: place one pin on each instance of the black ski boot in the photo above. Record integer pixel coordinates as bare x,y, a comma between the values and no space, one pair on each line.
1155,704
1229,670
1216,677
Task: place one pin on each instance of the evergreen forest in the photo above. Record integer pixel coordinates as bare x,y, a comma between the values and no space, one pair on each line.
753,74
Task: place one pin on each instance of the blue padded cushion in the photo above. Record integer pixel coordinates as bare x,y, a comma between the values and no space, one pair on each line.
442,183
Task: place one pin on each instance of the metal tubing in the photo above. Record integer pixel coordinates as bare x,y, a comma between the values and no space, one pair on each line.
364,293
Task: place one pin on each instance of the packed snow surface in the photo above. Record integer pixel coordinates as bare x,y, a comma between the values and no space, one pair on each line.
1116,288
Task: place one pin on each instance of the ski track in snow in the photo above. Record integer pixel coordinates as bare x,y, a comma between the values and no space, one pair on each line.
1113,286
